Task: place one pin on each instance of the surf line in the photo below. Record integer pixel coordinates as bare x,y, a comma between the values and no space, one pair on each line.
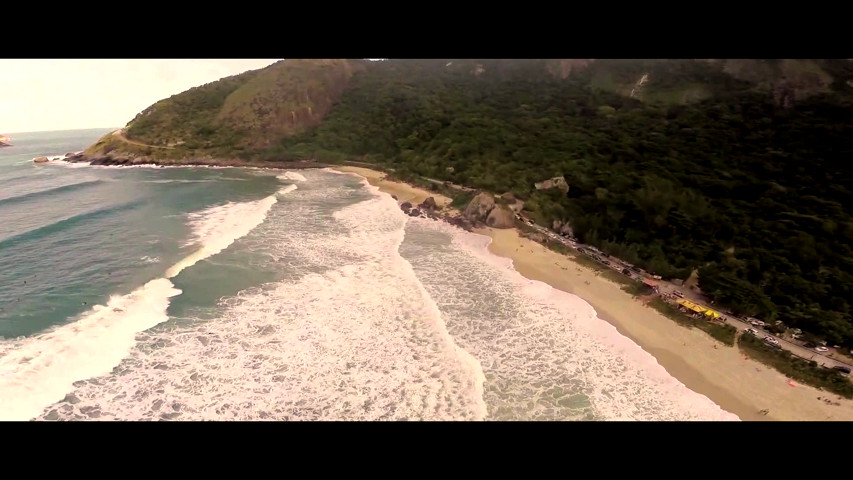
39,371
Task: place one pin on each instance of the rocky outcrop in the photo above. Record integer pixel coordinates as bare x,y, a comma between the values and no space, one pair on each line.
428,204
429,209
460,222
482,210
514,204
556,182
126,159
562,228
501,217
40,160
479,207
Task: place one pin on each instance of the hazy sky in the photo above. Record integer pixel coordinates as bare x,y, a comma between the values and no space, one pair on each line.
65,94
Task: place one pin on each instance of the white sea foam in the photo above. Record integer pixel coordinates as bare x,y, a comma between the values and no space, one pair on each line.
40,370
355,330
287,189
292,176
354,338
185,181
553,334
338,172
215,228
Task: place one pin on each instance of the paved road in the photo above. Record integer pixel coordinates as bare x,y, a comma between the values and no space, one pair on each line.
666,287
618,265
451,185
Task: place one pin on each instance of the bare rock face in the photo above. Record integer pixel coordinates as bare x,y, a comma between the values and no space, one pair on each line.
479,208
405,207
501,217
556,182
563,68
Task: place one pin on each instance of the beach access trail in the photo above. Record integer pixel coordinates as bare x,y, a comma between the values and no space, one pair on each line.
120,134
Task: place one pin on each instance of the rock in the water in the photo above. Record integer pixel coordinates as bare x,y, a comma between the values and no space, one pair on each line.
405,207
501,217
394,197
479,208
415,213
40,160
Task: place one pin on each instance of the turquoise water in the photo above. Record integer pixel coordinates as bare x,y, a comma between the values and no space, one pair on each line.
71,237
243,294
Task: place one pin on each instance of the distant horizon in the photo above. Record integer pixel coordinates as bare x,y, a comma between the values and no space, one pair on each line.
59,130
45,95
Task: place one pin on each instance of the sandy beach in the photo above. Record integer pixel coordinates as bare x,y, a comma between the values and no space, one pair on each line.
725,375
404,192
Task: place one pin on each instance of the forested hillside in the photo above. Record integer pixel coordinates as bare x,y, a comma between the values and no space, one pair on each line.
750,193
736,168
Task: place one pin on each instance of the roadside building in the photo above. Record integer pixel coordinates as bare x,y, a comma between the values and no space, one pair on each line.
652,284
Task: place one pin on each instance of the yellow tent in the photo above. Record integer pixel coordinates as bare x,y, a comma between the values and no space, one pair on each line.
691,306
698,308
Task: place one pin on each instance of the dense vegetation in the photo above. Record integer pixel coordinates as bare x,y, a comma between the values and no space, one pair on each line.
712,167
799,369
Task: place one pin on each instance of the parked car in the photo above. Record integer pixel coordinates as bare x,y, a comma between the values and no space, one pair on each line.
771,340
678,294
845,370
757,323
752,331
821,349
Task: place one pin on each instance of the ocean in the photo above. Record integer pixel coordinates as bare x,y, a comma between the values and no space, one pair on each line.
194,293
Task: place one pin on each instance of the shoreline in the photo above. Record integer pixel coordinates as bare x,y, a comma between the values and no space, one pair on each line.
132,161
725,375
